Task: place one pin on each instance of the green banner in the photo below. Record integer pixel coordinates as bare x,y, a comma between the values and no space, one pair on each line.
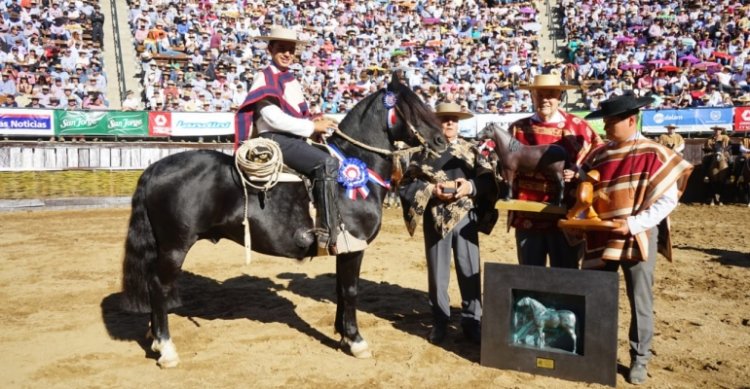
596,124
112,123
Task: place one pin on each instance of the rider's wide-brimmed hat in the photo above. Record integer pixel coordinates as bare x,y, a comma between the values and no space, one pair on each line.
668,126
547,81
451,109
278,33
619,105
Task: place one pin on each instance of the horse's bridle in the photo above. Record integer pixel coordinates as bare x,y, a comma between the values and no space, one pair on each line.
423,143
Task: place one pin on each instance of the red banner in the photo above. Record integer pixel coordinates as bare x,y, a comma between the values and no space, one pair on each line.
741,119
160,123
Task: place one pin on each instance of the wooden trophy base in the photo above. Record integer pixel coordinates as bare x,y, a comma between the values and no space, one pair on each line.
529,206
587,224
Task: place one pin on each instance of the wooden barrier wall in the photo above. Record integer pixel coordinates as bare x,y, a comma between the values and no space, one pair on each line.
37,156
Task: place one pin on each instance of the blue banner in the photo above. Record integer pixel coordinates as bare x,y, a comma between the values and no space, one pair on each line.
687,120
35,122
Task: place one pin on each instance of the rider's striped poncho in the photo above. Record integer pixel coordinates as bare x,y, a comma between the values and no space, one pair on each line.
634,174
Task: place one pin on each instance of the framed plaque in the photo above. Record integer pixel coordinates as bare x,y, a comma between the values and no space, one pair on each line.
554,322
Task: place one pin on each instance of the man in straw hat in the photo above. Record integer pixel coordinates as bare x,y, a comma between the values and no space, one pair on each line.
457,190
638,200
277,109
537,235
672,139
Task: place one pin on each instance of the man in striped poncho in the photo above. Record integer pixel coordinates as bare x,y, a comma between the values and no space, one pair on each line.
638,189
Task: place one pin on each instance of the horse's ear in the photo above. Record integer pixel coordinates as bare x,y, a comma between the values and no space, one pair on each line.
397,77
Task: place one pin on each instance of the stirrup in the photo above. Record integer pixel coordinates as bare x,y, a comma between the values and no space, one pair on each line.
348,243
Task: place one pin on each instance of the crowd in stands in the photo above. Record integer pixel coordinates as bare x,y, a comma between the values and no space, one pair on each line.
685,53
50,54
201,55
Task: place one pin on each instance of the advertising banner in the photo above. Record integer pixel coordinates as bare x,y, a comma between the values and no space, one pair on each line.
35,122
132,123
687,120
596,124
190,124
742,119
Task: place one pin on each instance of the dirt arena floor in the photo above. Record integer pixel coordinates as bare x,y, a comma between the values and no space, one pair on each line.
270,324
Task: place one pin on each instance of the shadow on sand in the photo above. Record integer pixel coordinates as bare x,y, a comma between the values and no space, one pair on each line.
256,298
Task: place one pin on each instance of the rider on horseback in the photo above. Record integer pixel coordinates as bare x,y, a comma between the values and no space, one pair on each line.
718,142
275,106
672,140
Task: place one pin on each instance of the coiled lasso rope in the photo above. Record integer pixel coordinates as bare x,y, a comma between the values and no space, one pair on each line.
258,158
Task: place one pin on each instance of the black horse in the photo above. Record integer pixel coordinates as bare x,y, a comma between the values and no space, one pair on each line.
199,195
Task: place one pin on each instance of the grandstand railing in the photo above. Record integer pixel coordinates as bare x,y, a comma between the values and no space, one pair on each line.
551,26
118,50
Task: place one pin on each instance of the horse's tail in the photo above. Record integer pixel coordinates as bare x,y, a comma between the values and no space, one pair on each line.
140,252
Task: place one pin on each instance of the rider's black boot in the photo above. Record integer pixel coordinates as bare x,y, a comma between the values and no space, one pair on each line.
333,237
325,192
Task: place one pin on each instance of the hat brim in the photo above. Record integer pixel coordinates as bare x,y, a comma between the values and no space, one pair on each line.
459,115
275,38
548,87
639,103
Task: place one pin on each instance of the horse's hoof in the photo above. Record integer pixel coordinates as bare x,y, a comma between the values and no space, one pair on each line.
360,350
168,356
168,363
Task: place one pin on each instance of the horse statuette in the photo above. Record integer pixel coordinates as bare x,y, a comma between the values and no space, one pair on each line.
199,195
513,157
545,318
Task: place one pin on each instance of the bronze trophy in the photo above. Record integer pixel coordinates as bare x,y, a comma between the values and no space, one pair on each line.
583,216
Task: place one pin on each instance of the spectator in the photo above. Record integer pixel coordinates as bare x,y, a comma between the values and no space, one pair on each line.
131,102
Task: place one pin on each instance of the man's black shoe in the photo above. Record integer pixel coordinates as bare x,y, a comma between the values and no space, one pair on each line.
473,332
437,333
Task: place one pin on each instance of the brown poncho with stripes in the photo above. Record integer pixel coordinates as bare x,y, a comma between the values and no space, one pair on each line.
634,174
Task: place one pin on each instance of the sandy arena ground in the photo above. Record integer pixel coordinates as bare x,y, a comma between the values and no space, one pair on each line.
270,324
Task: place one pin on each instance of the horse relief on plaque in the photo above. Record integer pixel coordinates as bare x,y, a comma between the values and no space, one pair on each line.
538,326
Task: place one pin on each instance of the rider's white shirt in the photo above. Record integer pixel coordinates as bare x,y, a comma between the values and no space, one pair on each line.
660,209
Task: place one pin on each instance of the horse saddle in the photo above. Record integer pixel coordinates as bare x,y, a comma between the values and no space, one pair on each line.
345,241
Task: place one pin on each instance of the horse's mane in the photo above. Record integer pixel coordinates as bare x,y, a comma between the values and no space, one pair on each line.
412,107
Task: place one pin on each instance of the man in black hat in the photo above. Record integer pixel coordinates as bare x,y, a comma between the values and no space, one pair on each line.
639,180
